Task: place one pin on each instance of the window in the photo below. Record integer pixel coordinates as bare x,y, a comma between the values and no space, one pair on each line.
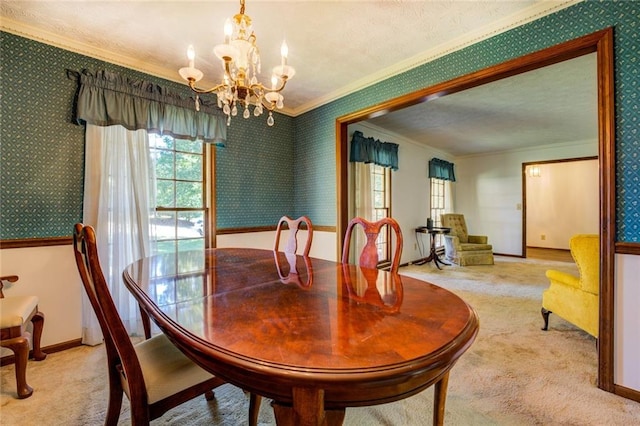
179,222
437,206
381,178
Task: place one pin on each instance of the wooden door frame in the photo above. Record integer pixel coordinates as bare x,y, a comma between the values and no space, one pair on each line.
601,43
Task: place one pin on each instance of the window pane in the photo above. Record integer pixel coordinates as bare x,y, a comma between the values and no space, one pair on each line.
165,165
166,246
378,200
189,194
165,226
165,193
194,244
190,224
189,146
188,167
378,183
157,141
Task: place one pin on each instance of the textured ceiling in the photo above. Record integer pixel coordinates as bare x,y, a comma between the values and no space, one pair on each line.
554,104
336,46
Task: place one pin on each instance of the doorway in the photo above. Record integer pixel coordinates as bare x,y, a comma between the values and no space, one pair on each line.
560,199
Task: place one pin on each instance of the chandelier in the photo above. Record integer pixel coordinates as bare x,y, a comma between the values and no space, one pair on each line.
240,58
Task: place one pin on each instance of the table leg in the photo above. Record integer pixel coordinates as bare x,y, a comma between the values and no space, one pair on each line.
439,398
307,409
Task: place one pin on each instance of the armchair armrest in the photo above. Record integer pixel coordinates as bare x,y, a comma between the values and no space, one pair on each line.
563,278
478,239
6,280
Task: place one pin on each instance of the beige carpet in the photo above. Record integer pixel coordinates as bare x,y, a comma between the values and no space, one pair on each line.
514,374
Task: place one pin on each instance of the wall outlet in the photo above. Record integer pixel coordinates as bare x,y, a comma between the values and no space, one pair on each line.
543,237
519,206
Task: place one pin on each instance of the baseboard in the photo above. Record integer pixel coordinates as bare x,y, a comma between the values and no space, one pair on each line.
59,347
549,248
508,255
626,392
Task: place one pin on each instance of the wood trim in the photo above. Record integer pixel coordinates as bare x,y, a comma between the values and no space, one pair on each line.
627,248
58,347
228,231
342,182
508,255
36,242
600,42
63,241
607,161
626,392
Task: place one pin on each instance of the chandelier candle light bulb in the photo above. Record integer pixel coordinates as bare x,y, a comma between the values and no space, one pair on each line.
240,59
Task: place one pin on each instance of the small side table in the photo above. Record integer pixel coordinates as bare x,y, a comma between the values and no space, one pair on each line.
433,256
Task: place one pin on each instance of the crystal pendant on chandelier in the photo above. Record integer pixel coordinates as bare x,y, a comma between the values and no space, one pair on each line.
241,64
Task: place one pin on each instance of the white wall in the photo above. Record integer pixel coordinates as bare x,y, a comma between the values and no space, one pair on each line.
563,201
322,247
49,273
489,190
410,191
626,366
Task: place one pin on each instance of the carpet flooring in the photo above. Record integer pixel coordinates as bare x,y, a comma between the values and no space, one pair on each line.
513,374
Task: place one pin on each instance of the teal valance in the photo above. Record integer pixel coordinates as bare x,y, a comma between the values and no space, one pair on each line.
369,150
105,99
441,169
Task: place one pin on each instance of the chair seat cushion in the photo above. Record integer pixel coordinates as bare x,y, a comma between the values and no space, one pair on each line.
166,370
475,247
16,310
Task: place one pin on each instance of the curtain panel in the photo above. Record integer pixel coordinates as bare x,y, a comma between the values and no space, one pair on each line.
105,99
369,150
441,169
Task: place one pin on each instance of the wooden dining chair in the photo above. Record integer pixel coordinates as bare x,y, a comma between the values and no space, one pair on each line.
294,225
15,313
154,374
369,256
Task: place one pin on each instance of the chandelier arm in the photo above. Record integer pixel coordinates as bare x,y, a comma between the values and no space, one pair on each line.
278,90
192,85
270,106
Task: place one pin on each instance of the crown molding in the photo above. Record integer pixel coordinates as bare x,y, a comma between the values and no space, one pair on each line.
532,13
65,43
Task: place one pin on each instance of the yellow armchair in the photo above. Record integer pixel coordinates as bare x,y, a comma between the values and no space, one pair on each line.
576,298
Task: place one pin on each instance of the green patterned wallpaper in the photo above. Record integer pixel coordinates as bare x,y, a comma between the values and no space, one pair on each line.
254,179
42,151
316,175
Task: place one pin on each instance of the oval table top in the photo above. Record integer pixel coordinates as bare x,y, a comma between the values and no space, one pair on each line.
271,322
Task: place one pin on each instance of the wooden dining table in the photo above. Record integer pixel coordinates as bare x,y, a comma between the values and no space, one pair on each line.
313,335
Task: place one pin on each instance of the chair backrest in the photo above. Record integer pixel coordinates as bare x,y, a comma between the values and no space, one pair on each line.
585,249
457,224
369,256
119,347
294,225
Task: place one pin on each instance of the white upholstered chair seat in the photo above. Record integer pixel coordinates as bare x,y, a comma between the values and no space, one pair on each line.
166,370
16,310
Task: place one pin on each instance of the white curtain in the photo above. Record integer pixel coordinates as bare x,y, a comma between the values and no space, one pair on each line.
119,199
449,197
363,199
